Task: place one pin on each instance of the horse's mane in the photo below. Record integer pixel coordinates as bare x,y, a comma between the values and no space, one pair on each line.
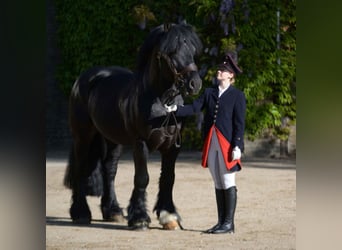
168,39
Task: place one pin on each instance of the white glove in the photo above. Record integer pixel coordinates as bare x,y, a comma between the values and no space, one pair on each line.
170,108
236,153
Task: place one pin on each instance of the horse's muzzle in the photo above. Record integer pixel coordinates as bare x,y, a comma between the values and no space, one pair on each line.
194,84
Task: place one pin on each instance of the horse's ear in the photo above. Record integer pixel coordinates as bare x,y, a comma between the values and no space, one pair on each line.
167,26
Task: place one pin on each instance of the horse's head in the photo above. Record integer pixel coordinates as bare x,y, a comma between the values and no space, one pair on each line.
167,59
178,49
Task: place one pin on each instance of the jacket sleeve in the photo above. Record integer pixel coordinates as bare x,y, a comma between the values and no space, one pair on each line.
191,109
239,121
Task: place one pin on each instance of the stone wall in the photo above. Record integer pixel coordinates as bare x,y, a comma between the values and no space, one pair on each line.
270,147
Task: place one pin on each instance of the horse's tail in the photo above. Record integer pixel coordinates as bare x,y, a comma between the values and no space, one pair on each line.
94,172
69,176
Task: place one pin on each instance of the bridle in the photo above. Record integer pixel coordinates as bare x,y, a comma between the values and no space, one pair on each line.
178,76
170,94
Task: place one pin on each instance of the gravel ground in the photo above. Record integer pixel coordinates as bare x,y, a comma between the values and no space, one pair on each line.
265,216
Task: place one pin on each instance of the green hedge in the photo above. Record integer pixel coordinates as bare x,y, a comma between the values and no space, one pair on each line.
109,32
95,33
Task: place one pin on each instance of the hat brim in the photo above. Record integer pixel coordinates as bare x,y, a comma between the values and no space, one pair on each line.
229,65
224,67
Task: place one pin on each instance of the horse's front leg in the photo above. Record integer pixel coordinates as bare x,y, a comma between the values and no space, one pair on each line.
110,207
137,213
165,208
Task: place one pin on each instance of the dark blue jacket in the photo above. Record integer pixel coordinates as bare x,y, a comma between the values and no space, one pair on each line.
226,112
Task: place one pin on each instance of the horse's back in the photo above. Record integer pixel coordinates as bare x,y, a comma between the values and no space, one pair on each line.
105,96
93,76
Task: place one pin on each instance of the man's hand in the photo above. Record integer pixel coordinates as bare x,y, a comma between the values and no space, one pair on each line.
236,153
170,108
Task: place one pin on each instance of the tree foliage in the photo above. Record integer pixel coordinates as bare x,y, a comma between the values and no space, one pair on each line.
109,32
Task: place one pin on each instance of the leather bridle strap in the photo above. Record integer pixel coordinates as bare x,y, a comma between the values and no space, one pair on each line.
189,68
177,75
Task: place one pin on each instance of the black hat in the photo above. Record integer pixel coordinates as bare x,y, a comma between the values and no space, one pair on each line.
230,64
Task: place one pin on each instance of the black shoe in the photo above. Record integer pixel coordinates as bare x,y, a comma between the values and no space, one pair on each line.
224,228
211,230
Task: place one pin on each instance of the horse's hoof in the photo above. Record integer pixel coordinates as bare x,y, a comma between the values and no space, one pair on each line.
115,218
81,221
169,221
112,213
118,218
172,225
139,226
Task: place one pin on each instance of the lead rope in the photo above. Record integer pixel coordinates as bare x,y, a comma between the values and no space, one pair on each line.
177,130
178,140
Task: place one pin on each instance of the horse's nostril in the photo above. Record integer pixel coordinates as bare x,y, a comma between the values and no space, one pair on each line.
191,84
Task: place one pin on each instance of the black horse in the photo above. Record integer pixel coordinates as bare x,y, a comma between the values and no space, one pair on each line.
111,106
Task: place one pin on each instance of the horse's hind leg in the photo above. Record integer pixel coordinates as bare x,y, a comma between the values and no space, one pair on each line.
82,174
81,177
165,208
110,208
79,210
137,213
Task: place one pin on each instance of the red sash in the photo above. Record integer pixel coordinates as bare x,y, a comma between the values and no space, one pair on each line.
225,146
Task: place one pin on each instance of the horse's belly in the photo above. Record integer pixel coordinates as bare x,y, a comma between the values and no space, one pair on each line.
159,139
108,122
113,129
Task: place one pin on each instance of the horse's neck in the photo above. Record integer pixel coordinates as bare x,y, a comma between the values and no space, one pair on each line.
157,81
156,85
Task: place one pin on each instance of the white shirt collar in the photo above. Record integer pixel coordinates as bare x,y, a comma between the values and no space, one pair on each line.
222,90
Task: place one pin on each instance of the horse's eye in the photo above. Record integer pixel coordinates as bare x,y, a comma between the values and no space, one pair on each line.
184,41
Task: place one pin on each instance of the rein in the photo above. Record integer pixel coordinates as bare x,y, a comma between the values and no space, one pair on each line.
168,98
171,93
177,130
